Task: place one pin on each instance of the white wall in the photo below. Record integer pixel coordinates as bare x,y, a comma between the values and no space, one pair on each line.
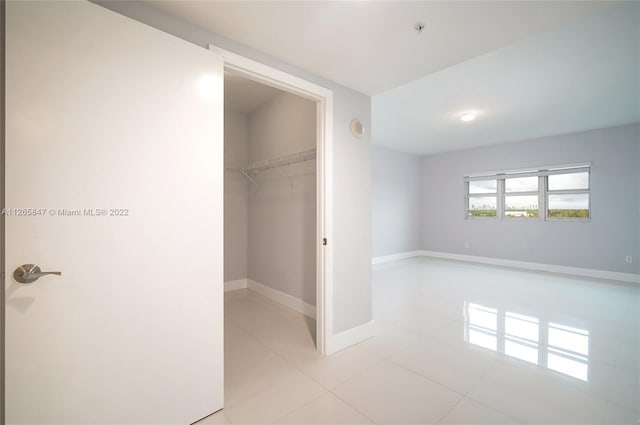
286,124
282,213
602,243
396,202
236,191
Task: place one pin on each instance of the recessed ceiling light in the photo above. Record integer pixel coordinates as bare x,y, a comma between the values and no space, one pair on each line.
468,116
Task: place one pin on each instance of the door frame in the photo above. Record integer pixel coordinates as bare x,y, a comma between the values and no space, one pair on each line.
323,98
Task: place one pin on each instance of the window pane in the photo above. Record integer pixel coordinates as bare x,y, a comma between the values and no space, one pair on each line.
569,181
521,184
483,186
574,205
521,206
484,206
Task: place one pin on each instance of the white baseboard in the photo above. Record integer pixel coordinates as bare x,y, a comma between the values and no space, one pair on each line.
551,268
287,300
350,337
232,285
393,257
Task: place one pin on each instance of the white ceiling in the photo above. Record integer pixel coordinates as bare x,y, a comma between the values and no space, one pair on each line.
243,96
530,69
582,76
371,46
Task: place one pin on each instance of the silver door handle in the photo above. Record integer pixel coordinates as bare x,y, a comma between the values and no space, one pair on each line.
29,273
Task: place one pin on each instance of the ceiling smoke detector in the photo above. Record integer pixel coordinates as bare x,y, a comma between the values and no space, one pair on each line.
419,27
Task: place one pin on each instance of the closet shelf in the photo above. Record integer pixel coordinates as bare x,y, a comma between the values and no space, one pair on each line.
251,170
282,161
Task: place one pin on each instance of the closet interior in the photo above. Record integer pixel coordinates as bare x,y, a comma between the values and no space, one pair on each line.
270,194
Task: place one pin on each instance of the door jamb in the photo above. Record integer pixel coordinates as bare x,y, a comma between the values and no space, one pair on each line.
323,98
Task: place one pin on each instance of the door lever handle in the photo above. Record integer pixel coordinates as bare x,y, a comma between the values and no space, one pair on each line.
29,273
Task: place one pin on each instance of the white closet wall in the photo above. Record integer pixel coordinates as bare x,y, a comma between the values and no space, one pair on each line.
236,191
270,231
282,214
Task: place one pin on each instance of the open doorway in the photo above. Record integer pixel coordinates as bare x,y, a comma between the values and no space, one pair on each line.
270,234
322,98
270,195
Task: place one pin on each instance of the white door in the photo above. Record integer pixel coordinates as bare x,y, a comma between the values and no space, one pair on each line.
114,139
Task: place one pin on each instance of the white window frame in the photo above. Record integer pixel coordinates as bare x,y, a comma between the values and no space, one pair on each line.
537,193
495,195
543,191
569,192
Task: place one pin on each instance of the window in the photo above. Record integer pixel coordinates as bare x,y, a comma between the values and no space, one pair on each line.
521,197
483,198
568,195
546,193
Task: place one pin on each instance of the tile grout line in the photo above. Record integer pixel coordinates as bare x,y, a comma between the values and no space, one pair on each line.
483,404
450,410
353,407
426,378
328,390
515,420
275,354
294,366
300,407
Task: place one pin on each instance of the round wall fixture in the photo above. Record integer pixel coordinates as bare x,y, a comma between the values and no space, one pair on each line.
356,127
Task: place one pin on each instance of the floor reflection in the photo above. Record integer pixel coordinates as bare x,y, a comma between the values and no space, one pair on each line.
551,345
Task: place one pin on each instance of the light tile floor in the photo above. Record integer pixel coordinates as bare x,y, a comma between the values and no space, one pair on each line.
456,344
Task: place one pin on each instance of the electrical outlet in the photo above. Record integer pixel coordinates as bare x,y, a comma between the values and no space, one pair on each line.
466,244
628,259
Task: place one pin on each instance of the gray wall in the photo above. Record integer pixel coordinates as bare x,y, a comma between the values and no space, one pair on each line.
351,213
396,202
351,167
282,213
236,195
602,243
